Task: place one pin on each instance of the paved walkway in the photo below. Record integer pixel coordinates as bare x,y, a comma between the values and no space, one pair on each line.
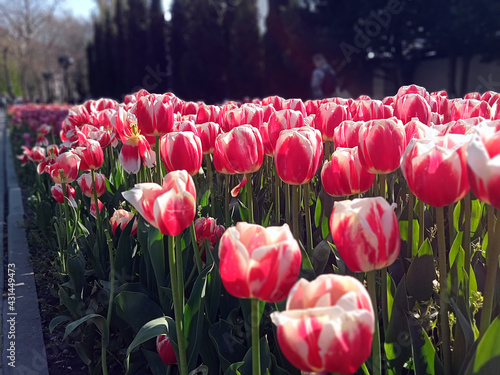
21,329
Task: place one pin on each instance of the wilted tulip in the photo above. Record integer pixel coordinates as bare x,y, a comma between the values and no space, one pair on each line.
327,326
181,151
136,152
298,155
258,262
344,175
435,169
171,207
366,233
381,144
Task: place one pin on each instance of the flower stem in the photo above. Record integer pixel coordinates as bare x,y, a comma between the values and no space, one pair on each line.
197,256
210,179
159,176
310,243
177,294
287,202
96,202
250,198
255,336
491,275
227,197
110,302
421,224
411,204
376,357
443,286
466,204
296,211
381,181
68,227
277,198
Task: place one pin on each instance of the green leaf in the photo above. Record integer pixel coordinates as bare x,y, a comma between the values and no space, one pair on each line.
136,308
420,277
204,198
157,253
403,230
76,273
325,227
391,289
265,358
97,319
456,217
156,365
488,351
317,213
159,326
426,248
476,214
265,222
230,348
192,310
58,320
124,255
234,369
425,359
321,254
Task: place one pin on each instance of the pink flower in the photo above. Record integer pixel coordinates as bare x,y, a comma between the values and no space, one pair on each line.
165,350
65,168
171,207
344,175
327,326
181,151
58,194
366,233
85,183
121,218
258,262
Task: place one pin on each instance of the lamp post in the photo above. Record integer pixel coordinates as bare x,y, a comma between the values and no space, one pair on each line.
65,62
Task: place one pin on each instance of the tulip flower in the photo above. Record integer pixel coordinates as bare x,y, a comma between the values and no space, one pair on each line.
344,175
258,262
381,144
93,207
281,120
327,326
412,106
328,118
165,350
467,108
413,89
346,135
298,155
154,117
483,163
136,152
91,155
58,194
296,105
181,151
85,183
65,168
206,229
170,207
418,130
121,218
264,132
435,169
208,133
366,233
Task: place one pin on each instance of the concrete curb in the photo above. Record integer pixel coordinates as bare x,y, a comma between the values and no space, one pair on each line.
22,317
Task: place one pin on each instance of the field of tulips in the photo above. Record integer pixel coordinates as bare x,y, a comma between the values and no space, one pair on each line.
274,237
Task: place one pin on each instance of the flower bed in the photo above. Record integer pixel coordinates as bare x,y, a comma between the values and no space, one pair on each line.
209,238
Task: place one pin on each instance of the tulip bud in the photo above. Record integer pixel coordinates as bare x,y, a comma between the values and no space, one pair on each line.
121,218
58,194
85,183
165,350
